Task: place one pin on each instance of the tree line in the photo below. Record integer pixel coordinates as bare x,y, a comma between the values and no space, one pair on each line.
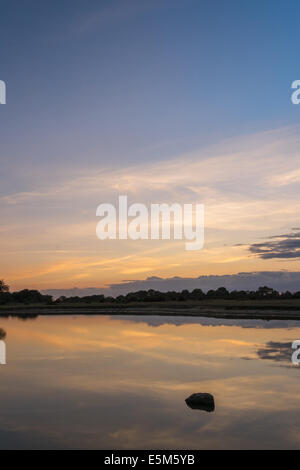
27,296
24,297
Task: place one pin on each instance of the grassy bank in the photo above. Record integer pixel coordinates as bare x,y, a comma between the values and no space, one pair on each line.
264,309
217,303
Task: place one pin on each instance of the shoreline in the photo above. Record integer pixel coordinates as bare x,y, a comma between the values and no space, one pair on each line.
238,312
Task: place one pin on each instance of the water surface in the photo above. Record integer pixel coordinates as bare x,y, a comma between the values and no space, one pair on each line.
100,382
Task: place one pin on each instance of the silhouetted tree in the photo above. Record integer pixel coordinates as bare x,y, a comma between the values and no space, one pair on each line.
27,296
3,287
267,292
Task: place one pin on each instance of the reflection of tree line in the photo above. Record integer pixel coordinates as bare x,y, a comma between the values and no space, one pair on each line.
20,316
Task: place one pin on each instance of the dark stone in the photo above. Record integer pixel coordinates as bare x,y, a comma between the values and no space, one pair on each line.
201,401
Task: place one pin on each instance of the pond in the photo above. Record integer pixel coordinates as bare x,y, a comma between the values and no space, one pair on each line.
120,382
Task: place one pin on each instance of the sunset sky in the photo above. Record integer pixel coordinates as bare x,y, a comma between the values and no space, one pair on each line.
159,100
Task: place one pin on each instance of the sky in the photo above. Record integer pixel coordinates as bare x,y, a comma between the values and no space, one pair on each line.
164,101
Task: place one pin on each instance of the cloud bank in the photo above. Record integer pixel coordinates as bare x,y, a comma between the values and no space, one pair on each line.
279,280
284,246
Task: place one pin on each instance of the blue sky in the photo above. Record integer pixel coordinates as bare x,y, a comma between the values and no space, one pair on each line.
113,79
108,85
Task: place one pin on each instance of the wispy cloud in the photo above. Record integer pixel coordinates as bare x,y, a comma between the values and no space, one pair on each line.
236,180
109,14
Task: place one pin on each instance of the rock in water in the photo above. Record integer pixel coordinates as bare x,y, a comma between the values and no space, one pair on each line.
201,401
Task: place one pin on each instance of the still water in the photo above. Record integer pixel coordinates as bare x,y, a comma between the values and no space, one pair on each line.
100,382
